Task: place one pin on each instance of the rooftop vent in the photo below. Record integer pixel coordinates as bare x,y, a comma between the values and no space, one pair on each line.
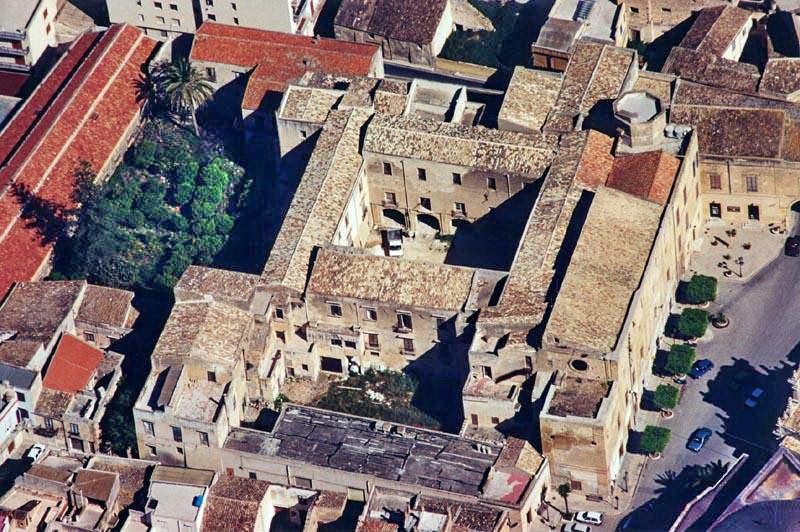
583,9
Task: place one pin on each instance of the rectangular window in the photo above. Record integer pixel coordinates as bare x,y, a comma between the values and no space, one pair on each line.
210,3
173,7
752,183
337,342
370,314
301,482
176,22
211,376
575,485
425,203
158,5
408,345
212,17
404,321
474,419
303,134
495,420
233,6
141,17
236,21
373,340
211,73
279,313
48,422
390,198
280,335
149,428
349,344
456,178
21,397
715,182
163,33
44,13
203,437
88,336
151,449
491,183
335,310
422,174
460,208
634,10
161,20
73,428
387,169
177,434
375,353
252,475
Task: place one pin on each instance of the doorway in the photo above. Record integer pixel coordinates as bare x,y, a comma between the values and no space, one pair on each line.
716,209
333,365
752,212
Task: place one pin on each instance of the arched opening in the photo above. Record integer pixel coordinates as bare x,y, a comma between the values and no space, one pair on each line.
794,217
460,223
427,224
393,218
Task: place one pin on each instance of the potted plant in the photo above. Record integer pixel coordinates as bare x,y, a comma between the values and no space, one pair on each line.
720,320
666,398
693,323
655,440
680,360
746,245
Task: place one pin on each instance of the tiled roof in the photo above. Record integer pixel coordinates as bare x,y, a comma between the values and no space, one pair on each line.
308,104
90,112
131,473
53,403
105,306
96,485
36,310
218,283
18,353
715,28
401,20
278,58
209,331
72,365
781,76
234,504
319,200
474,147
647,175
604,271
705,68
387,279
529,97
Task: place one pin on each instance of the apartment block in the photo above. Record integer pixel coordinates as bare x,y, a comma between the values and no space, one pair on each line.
27,28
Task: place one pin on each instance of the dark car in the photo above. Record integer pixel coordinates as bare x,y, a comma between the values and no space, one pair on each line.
793,246
698,439
700,368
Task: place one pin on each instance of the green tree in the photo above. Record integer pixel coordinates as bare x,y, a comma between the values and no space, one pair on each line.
144,155
655,439
680,359
700,289
185,88
564,490
117,426
666,397
693,323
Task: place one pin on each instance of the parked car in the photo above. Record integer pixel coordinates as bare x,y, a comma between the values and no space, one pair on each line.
393,242
590,518
576,527
698,439
36,452
755,397
700,368
792,248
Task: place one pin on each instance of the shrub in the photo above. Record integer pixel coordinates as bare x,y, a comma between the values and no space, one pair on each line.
680,359
693,322
700,289
655,439
666,397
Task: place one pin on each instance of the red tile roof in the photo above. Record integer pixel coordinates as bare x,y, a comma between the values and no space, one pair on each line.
648,175
278,58
72,365
81,112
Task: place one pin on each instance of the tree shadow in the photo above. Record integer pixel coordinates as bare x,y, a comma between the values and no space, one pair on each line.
48,218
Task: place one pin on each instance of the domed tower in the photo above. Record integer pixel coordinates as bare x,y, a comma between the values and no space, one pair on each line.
641,119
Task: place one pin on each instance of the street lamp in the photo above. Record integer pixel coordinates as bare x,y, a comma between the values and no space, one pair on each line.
740,262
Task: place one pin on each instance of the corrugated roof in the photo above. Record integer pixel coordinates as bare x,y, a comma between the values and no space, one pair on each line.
182,475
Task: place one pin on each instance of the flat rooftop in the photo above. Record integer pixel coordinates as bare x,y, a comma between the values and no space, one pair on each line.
599,21
359,445
578,397
15,14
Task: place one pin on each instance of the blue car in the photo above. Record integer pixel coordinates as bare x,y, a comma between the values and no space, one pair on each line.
700,368
698,439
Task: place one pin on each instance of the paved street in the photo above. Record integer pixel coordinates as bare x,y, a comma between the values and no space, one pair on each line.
759,348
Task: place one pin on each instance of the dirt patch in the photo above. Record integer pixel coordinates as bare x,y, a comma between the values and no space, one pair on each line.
306,391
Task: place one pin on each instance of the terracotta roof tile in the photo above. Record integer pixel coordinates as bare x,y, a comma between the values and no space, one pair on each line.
36,310
402,20
72,365
105,306
648,175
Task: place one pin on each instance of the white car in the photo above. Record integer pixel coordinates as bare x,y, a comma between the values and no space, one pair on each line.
576,527
393,242
755,396
591,518
36,452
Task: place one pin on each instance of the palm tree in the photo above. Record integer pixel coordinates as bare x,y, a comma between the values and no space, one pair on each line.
148,89
564,490
185,88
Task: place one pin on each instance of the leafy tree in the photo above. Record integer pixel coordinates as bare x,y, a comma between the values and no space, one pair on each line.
185,88
144,155
666,397
700,289
564,490
117,426
680,359
655,439
183,192
693,322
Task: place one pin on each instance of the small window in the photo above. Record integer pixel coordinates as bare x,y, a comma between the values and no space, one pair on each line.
158,5
303,134
211,73
48,28
212,376
666,10
44,13
141,17
350,344
163,33
149,428
491,182
370,314
173,7
634,10
151,450
179,449
177,434
752,183
203,436
575,485
212,17
337,342
252,475
387,169
335,310
404,321
161,20
233,6
304,366
280,335
279,313
425,203
210,2
422,174
73,428
373,340
235,21
390,198
48,422
495,420
408,345
301,482
460,208
375,353
20,397
176,22
715,182
474,419
456,178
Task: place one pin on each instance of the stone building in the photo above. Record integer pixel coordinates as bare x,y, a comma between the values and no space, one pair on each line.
412,32
650,19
